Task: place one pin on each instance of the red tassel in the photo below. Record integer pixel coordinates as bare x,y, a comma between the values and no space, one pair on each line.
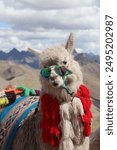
50,120
55,134
84,95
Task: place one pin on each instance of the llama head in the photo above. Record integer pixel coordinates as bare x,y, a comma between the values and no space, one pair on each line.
60,56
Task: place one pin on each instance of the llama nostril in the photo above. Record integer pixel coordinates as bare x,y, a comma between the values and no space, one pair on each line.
53,77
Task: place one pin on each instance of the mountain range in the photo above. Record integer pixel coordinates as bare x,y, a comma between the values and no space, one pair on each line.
84,58
28,58
23,57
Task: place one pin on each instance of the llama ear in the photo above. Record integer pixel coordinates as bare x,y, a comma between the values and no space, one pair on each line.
70,43
35,51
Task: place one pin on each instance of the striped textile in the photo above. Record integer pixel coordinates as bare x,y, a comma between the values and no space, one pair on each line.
12,116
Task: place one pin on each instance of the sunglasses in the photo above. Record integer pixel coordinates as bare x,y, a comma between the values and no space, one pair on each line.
60,70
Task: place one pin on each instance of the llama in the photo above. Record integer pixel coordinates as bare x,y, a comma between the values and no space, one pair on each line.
67,133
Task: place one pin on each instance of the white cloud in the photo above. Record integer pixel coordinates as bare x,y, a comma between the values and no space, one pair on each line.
47,4
74,18
41,23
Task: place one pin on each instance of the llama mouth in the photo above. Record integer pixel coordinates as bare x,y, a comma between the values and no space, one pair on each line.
55,84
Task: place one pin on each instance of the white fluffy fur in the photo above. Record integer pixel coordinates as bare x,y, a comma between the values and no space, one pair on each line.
66,144
71,125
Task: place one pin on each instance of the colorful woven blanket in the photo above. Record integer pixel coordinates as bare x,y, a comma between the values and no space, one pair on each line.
12,116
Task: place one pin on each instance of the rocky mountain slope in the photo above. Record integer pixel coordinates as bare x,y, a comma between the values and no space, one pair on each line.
17,74
23,57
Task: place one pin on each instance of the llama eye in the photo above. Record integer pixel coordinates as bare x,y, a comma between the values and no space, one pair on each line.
64,62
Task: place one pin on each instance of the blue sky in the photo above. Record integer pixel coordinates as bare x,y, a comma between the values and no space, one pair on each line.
4,25
43,23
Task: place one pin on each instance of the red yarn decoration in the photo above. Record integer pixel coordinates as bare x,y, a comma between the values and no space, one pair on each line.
50,108
84,95
50,120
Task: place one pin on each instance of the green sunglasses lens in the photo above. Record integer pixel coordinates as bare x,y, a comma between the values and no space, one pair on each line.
45,72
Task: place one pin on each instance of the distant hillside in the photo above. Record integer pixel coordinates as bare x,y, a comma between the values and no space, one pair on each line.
91,76
23,57
17,74
90,65
85,58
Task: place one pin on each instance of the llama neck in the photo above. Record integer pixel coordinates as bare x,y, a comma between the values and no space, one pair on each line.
60,93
